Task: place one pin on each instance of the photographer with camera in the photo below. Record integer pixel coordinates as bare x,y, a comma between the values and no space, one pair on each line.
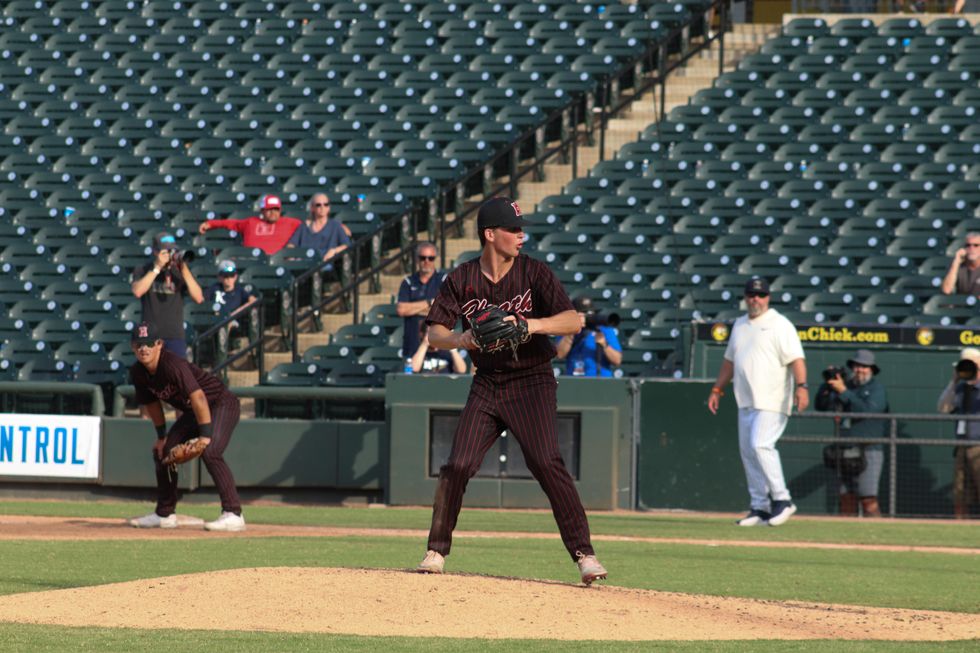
595,350
859,466
962,396
161,285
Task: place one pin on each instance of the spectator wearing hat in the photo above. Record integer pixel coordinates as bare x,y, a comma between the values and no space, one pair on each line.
161,286
206,410
227,295
962,396
269,232
593,351
861,393
765,359
325,236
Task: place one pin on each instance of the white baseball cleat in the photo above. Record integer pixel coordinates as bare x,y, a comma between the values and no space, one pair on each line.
432,563
781,512
754,518
154,520
228,522
590,568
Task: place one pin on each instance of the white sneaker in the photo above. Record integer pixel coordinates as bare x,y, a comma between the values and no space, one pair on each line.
228,521
432,563
154,520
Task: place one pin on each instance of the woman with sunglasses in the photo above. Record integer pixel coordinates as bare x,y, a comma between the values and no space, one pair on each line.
325,236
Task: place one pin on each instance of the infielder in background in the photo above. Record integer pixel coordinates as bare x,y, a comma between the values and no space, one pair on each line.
765,357
208,410
510,390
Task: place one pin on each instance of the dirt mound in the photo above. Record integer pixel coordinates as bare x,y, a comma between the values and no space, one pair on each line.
400,603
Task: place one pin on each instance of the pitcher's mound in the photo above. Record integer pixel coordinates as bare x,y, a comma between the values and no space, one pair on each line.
400,603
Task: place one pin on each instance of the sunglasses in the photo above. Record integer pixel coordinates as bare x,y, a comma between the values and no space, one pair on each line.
427,258
973,244
146,345
757,294
322,204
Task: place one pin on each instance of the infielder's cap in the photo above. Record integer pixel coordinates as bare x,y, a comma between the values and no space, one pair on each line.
756,284
271,202
145,333
227,267
866,358
969,354
500,212
163,241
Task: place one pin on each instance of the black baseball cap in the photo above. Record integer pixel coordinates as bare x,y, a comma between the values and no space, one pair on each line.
164,241
145,333
756,284
500,212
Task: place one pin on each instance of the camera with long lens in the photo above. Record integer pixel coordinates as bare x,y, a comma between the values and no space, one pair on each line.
594,320
966,370
177,257
833,372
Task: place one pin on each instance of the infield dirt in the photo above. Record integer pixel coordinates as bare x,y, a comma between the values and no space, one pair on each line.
384,602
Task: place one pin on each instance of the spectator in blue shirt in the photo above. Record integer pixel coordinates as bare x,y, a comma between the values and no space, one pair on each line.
325,236
415,295
227,296
593,351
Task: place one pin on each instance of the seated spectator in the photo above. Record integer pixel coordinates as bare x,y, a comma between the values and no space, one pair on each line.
593,351
325,236
963,276
429,360
227,296
269,232
416,294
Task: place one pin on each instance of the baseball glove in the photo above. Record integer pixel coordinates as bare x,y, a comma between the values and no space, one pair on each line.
492,333
186,451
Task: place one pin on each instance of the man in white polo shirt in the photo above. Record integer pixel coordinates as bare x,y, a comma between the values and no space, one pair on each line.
765,357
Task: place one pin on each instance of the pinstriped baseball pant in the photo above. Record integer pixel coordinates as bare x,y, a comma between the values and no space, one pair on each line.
224,418
527,406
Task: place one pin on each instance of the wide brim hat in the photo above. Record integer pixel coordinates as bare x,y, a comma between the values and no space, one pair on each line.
864,357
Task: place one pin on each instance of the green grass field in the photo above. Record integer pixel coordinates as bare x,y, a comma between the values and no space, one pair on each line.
935,581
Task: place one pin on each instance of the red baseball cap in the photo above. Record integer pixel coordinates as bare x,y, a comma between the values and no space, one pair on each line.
271,202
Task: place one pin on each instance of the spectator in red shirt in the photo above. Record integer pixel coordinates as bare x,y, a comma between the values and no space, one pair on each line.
270,232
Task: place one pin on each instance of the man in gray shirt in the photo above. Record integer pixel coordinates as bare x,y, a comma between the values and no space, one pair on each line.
963,276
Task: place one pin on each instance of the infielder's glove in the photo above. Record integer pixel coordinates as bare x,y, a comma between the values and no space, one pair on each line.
186,451
492,333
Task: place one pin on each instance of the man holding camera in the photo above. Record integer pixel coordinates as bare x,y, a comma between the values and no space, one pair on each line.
765,359
962,396
595,350
862,393
161,285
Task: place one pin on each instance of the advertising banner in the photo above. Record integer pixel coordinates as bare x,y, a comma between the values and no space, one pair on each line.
49,446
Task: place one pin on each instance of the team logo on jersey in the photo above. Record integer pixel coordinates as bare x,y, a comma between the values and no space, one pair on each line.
719,332
519,304
924,336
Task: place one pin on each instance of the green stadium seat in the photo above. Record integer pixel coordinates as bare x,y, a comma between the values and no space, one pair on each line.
956,308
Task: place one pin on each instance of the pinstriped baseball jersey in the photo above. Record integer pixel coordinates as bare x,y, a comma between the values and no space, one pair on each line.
529,288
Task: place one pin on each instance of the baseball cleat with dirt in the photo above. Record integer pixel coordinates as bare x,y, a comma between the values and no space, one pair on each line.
432,563
154,520
591,569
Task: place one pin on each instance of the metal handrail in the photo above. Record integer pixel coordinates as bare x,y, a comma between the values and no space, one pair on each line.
258,344
516,172
892,441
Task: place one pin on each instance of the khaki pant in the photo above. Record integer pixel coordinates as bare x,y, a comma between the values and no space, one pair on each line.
966,476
